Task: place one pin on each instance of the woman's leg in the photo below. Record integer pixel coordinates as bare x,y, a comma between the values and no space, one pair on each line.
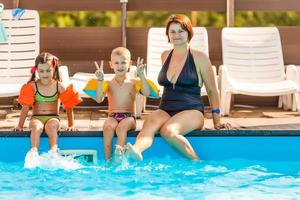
36,127
123,127
51,127
109,128
180,124
145,138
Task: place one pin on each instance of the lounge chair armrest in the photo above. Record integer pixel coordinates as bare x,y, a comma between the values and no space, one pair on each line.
223,73
292,73
64,74
224,77
132,71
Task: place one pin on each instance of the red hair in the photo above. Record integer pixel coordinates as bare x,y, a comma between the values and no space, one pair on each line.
184,22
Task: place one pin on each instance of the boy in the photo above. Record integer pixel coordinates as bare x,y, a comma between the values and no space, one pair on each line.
121,92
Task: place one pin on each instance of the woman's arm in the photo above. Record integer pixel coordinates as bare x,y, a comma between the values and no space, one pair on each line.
203,63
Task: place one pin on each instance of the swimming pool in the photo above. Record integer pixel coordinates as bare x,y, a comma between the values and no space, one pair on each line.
237,165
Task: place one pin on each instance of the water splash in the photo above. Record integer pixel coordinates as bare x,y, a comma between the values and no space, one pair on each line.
52,161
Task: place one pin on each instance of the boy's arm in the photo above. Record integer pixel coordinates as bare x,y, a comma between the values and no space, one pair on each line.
100,77
99,92
140,72
23,115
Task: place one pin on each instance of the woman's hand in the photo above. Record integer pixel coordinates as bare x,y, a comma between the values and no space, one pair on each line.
99,72
140,67
219,126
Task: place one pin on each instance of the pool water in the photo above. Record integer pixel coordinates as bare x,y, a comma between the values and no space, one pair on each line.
155,178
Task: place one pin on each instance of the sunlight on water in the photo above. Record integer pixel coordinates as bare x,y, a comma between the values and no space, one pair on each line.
66,178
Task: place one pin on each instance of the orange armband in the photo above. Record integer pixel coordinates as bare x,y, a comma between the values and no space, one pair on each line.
69,97
26,97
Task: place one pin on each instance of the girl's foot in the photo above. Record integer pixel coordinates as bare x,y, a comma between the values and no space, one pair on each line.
32,158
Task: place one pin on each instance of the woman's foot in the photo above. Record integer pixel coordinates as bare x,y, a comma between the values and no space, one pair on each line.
133,153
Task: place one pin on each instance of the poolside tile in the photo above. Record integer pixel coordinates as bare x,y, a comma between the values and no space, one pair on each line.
262,118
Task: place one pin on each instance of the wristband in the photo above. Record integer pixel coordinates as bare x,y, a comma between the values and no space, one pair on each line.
216,111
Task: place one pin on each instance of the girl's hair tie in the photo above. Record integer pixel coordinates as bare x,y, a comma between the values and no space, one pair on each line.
54,62
33,69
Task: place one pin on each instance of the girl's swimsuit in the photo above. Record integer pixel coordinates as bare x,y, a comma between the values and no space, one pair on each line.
48,99
186,93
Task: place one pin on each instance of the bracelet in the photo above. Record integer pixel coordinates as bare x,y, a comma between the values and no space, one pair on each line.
216,111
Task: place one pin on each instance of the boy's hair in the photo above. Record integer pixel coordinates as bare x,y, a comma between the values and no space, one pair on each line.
121,51
46,57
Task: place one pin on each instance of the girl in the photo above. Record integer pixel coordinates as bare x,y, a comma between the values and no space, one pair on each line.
43,92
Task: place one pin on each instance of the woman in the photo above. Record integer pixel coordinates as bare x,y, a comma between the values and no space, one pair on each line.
183,73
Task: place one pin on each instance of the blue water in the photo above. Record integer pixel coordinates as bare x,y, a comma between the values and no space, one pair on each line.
155,178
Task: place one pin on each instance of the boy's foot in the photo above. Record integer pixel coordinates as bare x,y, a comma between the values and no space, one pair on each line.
118,155
32,159
53,153
133,153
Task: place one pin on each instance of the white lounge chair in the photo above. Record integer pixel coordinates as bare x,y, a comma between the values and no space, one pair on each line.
253,65
158,43
17,56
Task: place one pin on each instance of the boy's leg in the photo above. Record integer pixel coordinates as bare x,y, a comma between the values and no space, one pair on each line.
36,127
51,127
109,128
123,127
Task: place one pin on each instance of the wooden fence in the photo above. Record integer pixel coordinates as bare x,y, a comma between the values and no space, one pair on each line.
78,47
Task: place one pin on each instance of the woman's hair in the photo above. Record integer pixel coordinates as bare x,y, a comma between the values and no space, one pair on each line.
184,22
49,58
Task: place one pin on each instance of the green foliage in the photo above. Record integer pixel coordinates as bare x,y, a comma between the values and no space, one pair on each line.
152,19
80,19
251,18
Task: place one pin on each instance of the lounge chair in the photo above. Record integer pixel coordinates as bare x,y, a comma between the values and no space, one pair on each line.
253,65
18,54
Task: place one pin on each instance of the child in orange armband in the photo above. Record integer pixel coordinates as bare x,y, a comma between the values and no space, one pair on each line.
43,93
121,92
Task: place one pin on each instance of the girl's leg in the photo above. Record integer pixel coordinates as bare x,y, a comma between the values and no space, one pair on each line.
52,126
36,127
145,138
109,128
180,124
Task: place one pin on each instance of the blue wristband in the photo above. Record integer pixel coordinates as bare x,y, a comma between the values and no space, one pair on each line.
217,111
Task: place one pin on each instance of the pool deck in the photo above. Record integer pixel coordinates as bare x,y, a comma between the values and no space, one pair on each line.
259,118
